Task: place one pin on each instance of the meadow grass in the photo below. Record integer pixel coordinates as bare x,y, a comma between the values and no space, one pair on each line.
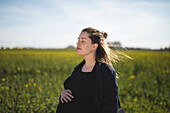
31,80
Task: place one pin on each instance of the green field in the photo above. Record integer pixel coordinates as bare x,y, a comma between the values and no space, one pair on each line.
31,80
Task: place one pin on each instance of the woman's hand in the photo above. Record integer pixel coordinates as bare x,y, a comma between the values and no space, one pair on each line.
66,94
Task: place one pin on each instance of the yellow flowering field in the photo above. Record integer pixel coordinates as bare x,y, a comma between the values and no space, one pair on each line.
31,80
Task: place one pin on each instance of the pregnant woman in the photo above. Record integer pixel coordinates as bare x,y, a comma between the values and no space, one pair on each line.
92,86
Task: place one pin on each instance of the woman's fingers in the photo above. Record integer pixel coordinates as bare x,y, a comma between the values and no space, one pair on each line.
65,94
68,98
61,100
69,94
65,99
69,91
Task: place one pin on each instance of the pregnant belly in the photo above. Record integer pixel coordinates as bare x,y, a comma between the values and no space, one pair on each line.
65,107
72,107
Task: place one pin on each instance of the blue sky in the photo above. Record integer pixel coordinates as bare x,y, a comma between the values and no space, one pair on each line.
58,23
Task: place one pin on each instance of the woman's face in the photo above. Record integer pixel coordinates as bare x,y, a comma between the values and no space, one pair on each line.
84,44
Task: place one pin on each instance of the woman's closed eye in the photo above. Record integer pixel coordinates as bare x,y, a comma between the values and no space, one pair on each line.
82,41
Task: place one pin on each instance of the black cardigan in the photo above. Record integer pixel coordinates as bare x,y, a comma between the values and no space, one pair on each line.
105,97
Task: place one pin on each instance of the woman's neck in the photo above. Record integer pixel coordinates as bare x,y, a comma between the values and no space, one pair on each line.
90,61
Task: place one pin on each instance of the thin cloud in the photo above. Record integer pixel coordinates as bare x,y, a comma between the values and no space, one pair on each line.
58,23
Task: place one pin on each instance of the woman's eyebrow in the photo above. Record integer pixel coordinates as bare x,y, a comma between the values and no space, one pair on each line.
82,38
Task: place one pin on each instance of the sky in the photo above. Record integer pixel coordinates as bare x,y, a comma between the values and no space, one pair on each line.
58,23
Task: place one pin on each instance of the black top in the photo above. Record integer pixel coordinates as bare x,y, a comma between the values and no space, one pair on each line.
81,84
105,90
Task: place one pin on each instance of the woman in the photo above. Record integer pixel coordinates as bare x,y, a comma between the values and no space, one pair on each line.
92,86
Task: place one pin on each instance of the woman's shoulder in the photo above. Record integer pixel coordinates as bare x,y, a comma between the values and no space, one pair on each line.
106,68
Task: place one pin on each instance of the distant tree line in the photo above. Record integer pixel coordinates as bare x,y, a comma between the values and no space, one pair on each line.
165,49
113,45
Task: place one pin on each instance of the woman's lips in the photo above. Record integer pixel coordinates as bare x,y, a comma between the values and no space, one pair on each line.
78,48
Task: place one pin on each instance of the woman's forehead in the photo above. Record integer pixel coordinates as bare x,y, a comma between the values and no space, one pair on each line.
83,35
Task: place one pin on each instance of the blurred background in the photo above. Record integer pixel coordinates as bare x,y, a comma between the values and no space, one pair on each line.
38,51
57,23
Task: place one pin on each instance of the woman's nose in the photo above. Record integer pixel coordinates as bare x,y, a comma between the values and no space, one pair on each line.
78,43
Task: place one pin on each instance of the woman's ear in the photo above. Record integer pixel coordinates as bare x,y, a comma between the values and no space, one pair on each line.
95,45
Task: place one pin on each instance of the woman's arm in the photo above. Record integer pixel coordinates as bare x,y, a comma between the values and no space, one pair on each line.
110,97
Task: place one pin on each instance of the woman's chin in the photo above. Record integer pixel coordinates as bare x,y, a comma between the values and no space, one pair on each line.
79,53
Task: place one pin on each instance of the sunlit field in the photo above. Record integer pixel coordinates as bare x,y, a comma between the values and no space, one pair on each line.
31,80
